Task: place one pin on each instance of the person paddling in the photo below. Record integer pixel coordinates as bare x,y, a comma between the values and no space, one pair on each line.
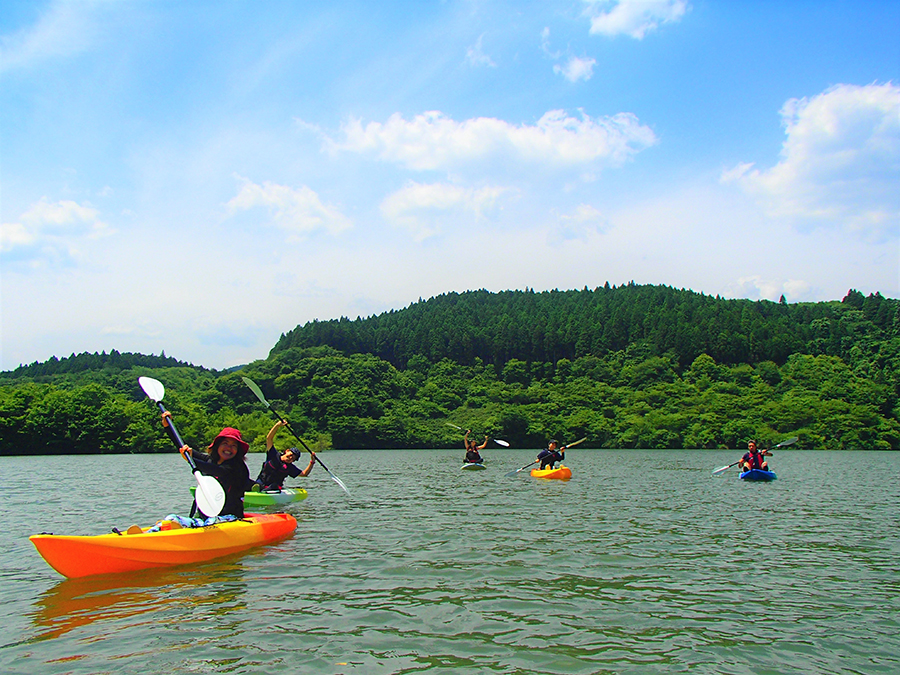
753,458
473,454
551,455
279,465
225,461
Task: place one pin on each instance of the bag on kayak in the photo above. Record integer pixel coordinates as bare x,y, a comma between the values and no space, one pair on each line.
182,521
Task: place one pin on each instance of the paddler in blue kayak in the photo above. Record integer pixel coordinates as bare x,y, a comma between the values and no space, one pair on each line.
279,465
550,456
473,454
753,458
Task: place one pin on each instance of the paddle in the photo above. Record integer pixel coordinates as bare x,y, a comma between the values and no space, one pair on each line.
789,441
262,399
496,440
209,494
513,473
574,443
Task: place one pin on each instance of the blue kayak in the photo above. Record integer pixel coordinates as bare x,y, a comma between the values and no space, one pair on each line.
758,474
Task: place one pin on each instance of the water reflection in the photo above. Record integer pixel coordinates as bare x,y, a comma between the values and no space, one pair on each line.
216,588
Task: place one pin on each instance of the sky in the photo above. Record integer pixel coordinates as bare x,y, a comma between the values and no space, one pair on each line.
198,178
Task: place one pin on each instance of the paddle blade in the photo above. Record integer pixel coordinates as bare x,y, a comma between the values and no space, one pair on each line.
513,472
256,390
450,424
721,469
209,495
789,441
339,482
500,442
574,443
153,388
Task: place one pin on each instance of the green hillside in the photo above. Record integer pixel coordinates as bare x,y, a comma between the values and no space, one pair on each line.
633,367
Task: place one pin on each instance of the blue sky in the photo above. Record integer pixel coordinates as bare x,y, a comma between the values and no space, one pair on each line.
200,177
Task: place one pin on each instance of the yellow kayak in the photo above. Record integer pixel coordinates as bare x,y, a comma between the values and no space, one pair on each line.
81,556
561,473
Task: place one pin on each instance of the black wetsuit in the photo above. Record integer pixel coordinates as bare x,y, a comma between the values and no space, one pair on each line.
275,470
550,457
233,476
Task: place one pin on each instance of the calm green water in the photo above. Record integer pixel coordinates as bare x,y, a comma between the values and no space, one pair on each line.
642,563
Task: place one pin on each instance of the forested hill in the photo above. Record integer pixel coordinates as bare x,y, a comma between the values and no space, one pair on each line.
87,362
554,325
627,367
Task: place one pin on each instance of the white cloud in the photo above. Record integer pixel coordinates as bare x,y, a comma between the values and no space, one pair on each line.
297,211
64,30
756,287
52,228
425,209
632,17
433,141
584,221
840,161
576,69
545,45
476,57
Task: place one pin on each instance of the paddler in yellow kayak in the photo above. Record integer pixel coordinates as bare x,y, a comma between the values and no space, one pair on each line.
550,456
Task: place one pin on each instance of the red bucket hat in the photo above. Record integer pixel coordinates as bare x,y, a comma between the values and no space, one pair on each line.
231,432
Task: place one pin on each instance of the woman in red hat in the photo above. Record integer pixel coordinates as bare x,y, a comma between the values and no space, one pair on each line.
225,461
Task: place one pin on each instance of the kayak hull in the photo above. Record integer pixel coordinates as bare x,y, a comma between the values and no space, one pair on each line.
758,474
82,556
284,496
473,466
561,473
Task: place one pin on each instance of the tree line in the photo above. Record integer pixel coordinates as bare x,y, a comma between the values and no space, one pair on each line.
628,367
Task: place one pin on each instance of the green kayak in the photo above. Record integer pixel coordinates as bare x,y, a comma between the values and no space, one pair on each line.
283,496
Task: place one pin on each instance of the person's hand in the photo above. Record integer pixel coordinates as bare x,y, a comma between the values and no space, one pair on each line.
185,450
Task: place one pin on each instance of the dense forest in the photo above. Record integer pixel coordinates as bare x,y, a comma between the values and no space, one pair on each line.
628,367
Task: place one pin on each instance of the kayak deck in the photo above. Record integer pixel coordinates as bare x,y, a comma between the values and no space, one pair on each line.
560,473
473,466
86,555
757,474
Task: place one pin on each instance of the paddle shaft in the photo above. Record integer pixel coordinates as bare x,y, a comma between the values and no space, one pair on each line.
172,432
498,441
258,392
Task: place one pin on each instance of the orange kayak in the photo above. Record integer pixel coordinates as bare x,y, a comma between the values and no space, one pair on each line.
82,556
562,473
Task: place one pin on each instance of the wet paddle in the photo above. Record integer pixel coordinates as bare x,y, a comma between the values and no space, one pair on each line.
498,441
513,473
262,399
209,493
789,441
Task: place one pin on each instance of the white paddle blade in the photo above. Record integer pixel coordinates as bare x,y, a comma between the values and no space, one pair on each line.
153,388
499,442
721,469
339,482
209,494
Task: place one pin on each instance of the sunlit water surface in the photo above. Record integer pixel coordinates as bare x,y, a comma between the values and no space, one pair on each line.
643,562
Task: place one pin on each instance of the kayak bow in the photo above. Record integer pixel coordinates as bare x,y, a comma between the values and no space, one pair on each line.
562,473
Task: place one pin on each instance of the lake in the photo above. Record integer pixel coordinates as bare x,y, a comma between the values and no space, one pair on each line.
643,562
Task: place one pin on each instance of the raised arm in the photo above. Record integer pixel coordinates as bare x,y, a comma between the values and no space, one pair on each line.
270,437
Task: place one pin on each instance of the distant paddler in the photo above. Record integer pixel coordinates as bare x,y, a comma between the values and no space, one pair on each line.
473,454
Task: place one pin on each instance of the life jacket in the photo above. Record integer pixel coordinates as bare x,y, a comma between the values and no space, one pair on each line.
755,459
